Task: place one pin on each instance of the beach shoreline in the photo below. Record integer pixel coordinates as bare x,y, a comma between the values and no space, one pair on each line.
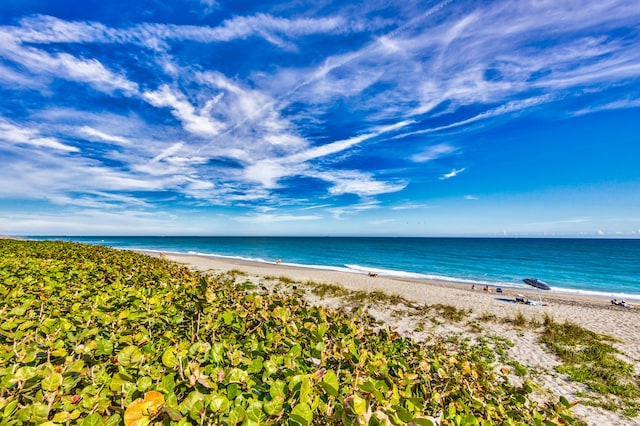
593,313
363,281
571,292
570,266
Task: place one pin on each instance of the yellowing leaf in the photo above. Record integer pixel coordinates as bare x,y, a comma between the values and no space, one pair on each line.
133,415
61,417
154,397
359,405
141,411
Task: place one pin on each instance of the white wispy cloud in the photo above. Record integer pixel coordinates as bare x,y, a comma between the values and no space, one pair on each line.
99,200
12,78
381,221
51,176
168,152
194,121
317,206
274,218
65,66
356,182
89,71
269,171
44,167
91,220
339,146
508,108
28,136
95,134
476,43
452,173
619,104
411,206
208,5
434,152
49,29
352,209
552,223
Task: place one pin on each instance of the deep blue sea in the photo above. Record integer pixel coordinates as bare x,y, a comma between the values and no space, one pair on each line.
601,267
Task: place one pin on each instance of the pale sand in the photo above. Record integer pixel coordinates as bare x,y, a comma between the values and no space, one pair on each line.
593,313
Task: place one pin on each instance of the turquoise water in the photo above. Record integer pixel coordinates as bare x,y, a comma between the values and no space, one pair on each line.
603,267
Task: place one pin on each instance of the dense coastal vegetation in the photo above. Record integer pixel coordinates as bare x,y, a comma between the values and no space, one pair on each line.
91,336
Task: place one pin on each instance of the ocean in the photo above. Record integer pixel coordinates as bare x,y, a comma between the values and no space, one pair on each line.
599,267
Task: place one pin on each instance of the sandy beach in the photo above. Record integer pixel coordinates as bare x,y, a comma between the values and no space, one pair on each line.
595,314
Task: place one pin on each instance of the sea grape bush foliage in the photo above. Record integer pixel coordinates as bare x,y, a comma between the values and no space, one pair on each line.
96,336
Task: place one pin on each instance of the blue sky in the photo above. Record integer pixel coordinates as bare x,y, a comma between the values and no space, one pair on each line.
206,117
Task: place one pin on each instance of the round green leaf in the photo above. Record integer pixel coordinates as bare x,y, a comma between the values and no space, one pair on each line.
254,412
62,417
169,358
52,382
94,419
302,414
130,356
237,375
219,403
237,415
255,366
26,373
104,347
330,383
74,367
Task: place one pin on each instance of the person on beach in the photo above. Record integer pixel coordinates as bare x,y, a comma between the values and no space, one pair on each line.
622,303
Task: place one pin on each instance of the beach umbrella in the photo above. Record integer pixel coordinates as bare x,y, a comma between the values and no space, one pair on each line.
538,284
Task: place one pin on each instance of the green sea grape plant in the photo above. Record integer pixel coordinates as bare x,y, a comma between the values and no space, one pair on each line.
95,336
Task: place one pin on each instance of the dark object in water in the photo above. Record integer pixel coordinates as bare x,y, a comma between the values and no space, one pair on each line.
534,282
